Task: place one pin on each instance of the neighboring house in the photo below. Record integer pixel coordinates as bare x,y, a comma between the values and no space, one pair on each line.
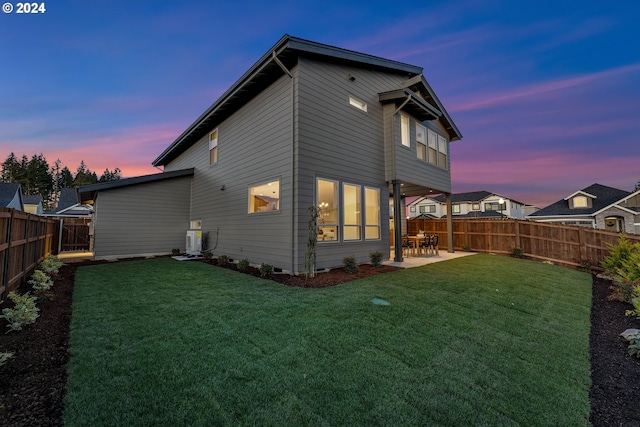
69,205
596,206
33,204
474,204
307,125
11,196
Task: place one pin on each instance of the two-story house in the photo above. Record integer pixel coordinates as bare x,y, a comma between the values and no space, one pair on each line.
596,206
473,204
307,125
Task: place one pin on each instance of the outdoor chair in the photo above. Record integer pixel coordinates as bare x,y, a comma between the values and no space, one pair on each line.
406,245
426,244
434,244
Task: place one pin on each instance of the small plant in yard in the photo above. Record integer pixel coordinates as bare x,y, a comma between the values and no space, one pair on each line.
621,291
350,264
223,260
466,248
265,269
40,281
207,254
634,346
635,301
376,258
517,252
175,252
51,265
243,264
23,313
585,265
4,356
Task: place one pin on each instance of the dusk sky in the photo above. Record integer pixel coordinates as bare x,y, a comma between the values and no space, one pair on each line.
546,93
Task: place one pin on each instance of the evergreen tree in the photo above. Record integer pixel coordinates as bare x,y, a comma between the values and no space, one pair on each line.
84,175
107,175
11,169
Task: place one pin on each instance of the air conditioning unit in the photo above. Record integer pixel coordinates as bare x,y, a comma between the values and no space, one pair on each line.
194,242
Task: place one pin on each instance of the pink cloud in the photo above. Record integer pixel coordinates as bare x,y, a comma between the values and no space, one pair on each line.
535,91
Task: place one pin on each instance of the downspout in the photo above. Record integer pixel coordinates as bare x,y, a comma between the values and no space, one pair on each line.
294,242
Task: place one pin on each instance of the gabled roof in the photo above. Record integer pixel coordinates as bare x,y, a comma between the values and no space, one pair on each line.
274,64
68,197
32,199
602,197
8,191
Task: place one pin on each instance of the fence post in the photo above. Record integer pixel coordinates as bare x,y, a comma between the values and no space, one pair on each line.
516,224
5,272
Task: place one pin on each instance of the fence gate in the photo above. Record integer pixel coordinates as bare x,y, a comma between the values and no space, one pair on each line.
74,235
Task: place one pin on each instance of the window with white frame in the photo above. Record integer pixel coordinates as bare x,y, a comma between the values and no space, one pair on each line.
580,202
404,130
455,209
352,216
357,214
327,202
213,147
475,206
428,209
421,141
442,152
372,213
264,197
432,138
355,102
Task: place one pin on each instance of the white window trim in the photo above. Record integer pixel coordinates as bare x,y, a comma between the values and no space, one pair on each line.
357,103
405,130
259,184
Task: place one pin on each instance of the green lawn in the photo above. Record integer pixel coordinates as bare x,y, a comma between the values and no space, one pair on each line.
480,340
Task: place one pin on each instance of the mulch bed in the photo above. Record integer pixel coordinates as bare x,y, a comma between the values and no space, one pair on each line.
33,382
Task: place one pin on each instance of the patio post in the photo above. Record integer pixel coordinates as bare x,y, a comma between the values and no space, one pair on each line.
447,198
397,215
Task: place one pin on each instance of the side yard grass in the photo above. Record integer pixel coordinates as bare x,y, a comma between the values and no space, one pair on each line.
480,340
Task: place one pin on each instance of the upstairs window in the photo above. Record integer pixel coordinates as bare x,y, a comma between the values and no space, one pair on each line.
404,130
421,142
428,209
580,202
442,152
355,102
433,147
213,147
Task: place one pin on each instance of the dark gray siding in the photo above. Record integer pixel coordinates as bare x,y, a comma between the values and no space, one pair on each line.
339,142
255,146
143,219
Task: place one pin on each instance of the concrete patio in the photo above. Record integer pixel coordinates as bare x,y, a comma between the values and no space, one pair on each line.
418,261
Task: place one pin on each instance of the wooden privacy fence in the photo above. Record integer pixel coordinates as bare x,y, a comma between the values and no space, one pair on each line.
25,240
564,244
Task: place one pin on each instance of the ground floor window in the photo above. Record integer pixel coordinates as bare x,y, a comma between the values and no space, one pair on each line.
264,197
348,212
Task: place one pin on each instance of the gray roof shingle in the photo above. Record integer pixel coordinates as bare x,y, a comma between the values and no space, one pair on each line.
605,196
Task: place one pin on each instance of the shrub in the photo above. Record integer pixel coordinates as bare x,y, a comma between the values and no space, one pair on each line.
585,265
629,270
223,260
466,248
175,252
617,254
266,269
350,264
23,313
621,291
207,254
376,258
40,281
635,301
243,264
517,252
634,346
4,357
51,264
